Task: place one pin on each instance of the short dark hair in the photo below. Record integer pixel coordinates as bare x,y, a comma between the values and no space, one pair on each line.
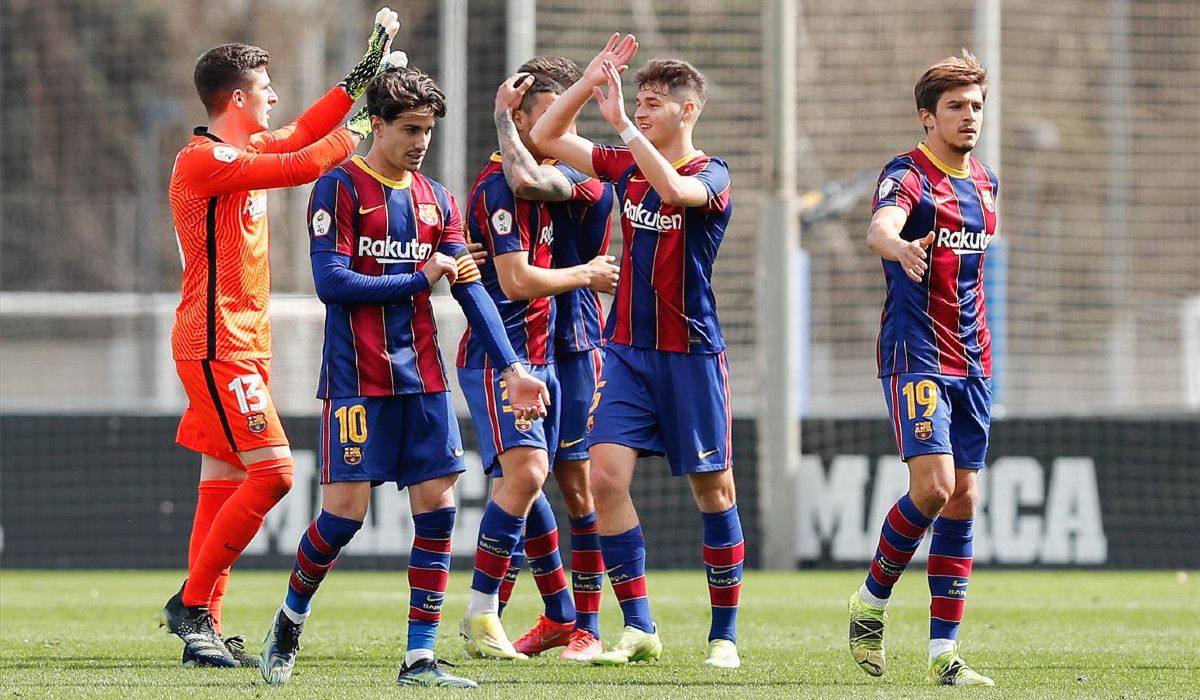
671,75
541,84
949,73
398,90
562,70
223,69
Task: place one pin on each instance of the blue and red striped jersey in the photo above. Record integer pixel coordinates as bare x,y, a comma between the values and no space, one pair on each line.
665,297
505,224
581,233
386,227
939,325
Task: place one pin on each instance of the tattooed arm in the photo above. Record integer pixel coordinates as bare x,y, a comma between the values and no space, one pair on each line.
527,178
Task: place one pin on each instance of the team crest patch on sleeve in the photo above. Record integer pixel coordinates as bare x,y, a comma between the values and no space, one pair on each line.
256,422
886,187
352,454
986,196
225,154
428,213
502,222
321,222
923,429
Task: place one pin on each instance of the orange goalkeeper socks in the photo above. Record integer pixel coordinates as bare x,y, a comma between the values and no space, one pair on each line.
212,495
235,524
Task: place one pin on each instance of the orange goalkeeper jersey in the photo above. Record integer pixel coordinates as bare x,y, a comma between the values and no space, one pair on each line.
219,205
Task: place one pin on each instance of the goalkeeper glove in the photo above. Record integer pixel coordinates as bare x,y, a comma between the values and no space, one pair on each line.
360,122
386,26
395,59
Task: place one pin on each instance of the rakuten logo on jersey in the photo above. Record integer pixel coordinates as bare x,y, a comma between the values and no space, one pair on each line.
651,220
256,204
964,242
389,251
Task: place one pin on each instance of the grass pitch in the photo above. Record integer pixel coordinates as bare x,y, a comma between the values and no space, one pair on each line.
1039,634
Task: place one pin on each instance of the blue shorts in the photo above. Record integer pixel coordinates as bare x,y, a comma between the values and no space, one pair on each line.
937,414
496,424
406,439
667,403
578,373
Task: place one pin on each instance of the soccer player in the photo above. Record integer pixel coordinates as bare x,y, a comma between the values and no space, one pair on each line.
221,341
521,277
665,385
382,235
934,216
581,232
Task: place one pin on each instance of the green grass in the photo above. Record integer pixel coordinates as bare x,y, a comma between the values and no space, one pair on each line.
1039,634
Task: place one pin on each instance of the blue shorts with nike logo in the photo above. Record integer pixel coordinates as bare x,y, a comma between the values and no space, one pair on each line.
406,439
578,373
496,424
667,403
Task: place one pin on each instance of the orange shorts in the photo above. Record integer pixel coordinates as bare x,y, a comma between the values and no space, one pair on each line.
229,408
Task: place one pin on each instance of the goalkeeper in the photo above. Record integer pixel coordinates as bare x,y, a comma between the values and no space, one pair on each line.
221,340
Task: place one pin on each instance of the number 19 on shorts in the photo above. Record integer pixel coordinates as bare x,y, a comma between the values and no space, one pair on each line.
922,394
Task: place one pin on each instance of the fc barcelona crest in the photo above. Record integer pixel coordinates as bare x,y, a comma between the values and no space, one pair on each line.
522,424
923,429
257,422
352,455
986,196
428,213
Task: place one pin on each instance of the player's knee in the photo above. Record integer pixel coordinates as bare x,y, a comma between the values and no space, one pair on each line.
573,485
276,481
962,504
931,497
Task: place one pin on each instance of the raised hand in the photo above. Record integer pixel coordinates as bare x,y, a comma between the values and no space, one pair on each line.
511,92
387,24
360,123
617,51
393,59
612,107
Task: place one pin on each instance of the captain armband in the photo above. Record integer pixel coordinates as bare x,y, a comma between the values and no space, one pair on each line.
468,271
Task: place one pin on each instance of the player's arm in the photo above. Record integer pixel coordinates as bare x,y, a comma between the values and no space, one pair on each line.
528,395
520,280
899,192
527,178
673,188
328,112
336,283
331,245
883,235
552,133
221,169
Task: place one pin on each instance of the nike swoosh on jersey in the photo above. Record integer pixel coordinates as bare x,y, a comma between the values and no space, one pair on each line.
704,455
368,211
571,443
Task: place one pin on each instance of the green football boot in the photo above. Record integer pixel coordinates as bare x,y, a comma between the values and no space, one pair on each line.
950,669
866,635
